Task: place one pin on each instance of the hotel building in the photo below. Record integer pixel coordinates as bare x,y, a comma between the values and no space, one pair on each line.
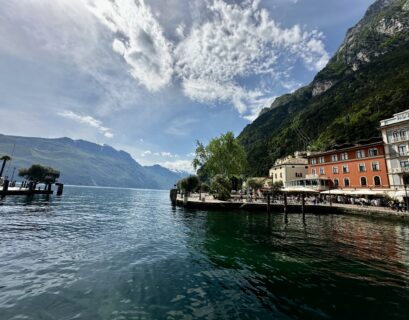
289,168
352,166
395,134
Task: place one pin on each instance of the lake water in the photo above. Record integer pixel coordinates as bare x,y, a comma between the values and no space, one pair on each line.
127,254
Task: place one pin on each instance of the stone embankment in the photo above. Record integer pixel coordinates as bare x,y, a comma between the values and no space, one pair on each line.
209,203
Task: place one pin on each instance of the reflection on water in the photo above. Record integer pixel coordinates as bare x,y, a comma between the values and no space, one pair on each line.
127,254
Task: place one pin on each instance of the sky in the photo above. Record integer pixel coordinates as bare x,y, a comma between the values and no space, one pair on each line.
153,76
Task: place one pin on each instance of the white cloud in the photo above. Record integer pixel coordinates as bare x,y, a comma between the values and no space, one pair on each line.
178,165
180,126
88,120
145,153
236,42
210,53
138,38
163,154
214,55
166,154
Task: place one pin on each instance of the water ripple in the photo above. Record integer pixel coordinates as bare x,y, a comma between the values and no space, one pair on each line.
100,253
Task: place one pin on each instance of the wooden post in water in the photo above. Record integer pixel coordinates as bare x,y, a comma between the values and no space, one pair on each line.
5,187
285,203
303,204
173,195
268,203
60,188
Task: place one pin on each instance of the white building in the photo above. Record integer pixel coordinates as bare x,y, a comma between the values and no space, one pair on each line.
289,168
395,135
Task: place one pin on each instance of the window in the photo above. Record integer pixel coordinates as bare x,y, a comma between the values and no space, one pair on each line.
322,171
361,167
404,165
344,156
335,169
346,182
321,160
377,181
298,174
363,181
275,175
360,154
373,152
334,157
313,161
402,150
402,134
336,183
281,175
345,169
395,136
375,166
314,172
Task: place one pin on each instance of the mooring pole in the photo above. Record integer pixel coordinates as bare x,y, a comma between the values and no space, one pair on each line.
303,204
60,188
5,187
285,203
173,195
268,202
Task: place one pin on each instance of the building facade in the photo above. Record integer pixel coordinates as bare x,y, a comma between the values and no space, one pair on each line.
395,135
289,168
358,166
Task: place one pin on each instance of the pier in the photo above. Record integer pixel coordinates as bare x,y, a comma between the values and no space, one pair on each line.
25,190
287,207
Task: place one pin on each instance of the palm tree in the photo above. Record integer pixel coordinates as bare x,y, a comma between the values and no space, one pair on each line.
5,159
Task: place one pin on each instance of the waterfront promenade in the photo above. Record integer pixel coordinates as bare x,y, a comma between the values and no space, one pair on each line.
277,206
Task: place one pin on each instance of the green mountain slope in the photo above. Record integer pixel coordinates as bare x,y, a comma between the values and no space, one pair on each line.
367,80
85,163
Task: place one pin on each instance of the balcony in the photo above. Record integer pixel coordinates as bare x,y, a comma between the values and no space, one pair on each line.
398,139
396,154
400,170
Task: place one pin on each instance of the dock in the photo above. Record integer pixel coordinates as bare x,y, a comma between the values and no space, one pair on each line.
211,204
16,191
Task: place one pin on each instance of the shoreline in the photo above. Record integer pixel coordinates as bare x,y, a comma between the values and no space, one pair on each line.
319,209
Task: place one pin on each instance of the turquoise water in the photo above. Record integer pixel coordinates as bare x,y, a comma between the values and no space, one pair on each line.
127,254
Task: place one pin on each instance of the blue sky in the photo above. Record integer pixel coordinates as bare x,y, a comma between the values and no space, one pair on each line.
151,77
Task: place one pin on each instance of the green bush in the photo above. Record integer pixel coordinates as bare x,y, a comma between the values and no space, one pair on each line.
220,187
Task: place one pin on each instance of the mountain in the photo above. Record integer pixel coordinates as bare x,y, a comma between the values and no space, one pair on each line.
365,81
86,163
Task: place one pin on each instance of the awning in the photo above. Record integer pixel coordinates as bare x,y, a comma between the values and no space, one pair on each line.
401,193
336,192
368,193
300,190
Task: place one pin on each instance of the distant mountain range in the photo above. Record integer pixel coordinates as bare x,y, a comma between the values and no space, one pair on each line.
365,81
85,163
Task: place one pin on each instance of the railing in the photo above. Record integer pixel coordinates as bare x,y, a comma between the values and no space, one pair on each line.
397,154
400,170
398,139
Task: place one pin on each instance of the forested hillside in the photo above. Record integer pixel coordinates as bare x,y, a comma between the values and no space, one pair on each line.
366,80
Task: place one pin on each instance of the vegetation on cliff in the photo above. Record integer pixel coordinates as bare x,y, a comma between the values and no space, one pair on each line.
367,80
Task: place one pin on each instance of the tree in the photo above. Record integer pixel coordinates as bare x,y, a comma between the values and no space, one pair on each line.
254,183
223,155
275,187
5,158
189,183
38,173
220,187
